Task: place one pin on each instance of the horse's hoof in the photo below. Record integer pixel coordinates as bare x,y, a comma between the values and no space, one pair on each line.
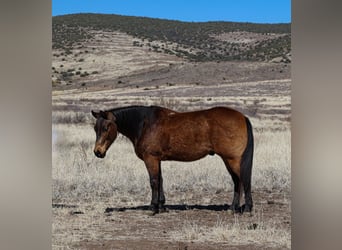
249,214
247,209
154,212
235,209
163,209
166,210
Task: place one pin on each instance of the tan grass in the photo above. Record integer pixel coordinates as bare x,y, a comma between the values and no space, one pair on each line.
256,232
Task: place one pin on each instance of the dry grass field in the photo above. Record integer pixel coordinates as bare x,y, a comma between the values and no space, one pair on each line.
85,186
104,203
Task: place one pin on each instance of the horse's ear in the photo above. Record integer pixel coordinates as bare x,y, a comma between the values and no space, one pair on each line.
104,114
96,114
111,116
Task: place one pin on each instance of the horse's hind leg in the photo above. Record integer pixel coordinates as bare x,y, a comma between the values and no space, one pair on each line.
246,180
232,166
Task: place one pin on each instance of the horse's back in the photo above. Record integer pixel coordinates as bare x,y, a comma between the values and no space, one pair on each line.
215,121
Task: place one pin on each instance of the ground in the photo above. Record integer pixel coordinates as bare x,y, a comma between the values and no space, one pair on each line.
193,225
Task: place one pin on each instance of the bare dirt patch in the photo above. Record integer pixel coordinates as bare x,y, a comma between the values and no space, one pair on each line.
108,55
246,37
184,226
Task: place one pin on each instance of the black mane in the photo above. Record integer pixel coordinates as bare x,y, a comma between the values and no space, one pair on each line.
130,120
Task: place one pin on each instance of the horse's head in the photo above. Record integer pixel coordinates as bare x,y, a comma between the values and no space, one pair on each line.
106,132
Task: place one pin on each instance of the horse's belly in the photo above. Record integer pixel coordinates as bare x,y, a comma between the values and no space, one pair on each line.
187,154
188,147
182,157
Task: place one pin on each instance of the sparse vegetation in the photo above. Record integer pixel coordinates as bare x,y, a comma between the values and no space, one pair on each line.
259,233
195,41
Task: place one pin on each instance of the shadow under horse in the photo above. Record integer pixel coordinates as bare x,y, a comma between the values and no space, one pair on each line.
161,134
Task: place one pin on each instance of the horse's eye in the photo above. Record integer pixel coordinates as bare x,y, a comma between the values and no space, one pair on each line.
105,129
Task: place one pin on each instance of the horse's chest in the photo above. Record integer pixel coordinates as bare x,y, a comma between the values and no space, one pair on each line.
152,143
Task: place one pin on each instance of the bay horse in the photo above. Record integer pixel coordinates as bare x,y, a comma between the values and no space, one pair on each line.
160,134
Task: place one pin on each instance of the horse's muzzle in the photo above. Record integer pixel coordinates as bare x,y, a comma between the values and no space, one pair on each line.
99,154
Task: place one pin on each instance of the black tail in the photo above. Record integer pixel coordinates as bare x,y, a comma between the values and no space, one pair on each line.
246,165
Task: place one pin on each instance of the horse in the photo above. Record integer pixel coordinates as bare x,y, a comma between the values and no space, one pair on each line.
161,134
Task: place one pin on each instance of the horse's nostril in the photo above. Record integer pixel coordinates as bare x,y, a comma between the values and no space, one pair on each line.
98,154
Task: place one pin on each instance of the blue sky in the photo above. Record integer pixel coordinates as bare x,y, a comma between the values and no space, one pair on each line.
256,11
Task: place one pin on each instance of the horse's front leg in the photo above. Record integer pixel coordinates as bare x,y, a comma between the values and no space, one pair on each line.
161,199
156,182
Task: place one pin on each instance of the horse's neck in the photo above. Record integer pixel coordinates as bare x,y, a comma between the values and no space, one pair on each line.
129,123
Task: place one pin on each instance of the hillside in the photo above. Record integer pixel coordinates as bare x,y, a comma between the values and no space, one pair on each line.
94,49
202,41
